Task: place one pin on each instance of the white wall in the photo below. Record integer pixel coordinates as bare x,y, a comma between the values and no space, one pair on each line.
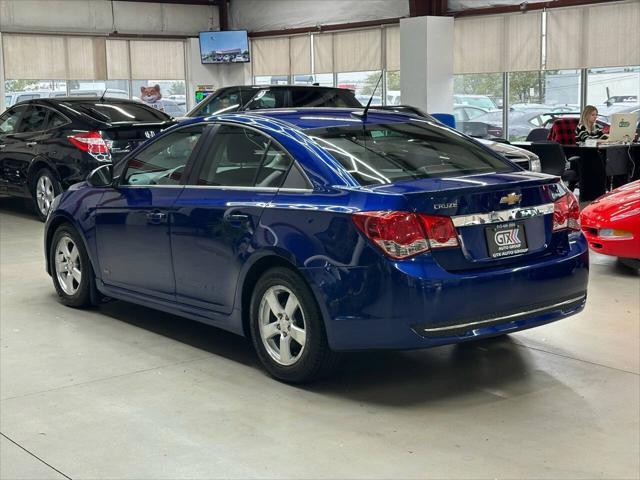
95,16
216,75
261,15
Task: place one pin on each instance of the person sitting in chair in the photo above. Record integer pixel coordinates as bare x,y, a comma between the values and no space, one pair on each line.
587,127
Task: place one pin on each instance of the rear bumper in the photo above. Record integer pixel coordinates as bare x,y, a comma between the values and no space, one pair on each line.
408,305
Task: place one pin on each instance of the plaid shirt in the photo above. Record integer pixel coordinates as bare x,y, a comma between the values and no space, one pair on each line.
563,131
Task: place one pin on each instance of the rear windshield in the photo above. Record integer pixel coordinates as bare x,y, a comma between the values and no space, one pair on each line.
116,112
323,98
388,153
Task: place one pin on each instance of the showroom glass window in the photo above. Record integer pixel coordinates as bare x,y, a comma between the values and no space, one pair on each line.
271,80
392,80
168,96
96,88
477,103
165,160
239,157
614,90
20,90
536,97
362,83
322,79
10,119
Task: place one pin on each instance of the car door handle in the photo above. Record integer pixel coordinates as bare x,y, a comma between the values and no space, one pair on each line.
236,218
156,217
2,145
31,144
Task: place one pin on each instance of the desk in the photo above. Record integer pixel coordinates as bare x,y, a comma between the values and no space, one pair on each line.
591,167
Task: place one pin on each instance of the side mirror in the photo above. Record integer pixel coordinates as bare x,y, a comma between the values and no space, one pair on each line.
101,176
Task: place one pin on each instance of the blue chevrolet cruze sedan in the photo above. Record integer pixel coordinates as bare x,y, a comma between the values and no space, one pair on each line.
318,231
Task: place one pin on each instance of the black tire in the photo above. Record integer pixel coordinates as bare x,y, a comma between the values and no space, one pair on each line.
313,361
77,293
40,203
632,263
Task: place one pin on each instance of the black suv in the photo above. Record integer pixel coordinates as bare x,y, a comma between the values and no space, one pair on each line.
46,144
258,97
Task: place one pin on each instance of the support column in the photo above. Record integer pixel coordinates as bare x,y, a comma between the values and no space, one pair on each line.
2,102
426,63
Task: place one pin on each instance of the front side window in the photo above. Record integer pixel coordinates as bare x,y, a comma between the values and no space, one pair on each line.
268,99
9,120
240,157
388,153
228,101
164,161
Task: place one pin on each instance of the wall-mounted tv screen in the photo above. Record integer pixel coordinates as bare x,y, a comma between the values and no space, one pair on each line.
229,46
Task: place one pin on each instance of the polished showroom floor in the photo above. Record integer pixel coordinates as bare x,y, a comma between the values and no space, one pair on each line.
127,392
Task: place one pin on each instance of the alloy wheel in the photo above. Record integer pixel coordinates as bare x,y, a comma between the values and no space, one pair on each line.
282,325
45,194
68,266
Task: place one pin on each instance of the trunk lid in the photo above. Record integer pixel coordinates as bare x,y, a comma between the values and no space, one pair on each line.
501,219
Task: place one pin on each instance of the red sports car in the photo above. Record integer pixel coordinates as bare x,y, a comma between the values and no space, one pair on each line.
612,224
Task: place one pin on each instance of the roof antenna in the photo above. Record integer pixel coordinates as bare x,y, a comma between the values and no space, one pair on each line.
364,113
103,94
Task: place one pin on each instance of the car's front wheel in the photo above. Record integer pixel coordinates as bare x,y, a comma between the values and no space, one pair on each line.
45,188
70,268
287,328
633,263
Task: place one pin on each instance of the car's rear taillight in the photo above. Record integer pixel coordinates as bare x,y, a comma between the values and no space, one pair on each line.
440,231
93,144
403,234
566,213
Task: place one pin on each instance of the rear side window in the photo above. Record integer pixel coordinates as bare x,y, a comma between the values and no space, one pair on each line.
165,160
115,112
34,120
56,120
388,153
240,157
322,98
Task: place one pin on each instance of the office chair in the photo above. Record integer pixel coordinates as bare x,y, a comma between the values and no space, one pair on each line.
537,135
617,166
554,162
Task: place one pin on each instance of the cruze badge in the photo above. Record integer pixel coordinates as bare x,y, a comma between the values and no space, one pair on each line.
149,134
511,199
440,206
506,238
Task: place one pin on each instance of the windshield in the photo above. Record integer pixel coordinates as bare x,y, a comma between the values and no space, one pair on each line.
389,153
481,102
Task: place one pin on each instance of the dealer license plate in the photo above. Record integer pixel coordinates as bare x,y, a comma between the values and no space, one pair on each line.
506,239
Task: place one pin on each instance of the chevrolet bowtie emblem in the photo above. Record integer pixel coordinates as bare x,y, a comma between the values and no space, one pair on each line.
511,199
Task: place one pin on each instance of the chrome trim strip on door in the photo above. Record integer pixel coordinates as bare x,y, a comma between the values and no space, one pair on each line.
513,316
502,215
